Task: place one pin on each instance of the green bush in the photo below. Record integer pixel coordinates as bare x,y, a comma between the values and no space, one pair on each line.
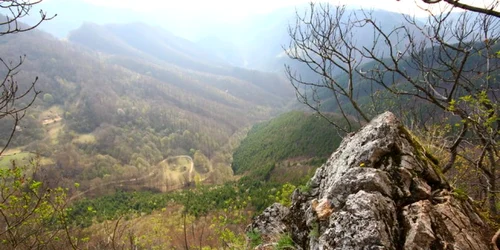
48,98
285,242
255,237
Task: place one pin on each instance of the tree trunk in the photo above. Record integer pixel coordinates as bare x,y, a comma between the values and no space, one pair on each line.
186,246
493,185
492,196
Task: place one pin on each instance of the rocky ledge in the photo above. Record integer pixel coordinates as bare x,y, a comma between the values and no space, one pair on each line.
379,190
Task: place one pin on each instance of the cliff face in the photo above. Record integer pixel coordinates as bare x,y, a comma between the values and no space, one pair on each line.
379,190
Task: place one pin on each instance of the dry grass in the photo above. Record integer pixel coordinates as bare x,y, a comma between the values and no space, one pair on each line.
53,132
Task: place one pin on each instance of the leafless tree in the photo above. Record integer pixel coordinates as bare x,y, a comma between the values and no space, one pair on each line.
448,64
15,100
488,8
323,41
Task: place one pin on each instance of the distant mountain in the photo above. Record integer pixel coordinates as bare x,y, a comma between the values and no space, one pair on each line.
260,39
374,98
143,41
154,51
72,15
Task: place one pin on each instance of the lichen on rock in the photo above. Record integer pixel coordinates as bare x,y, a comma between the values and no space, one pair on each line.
322,208
379,190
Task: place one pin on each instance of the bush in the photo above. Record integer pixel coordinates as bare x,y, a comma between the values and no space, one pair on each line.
255,237
285,242
48,98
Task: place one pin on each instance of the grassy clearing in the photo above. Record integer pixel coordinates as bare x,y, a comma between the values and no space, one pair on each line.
180,164
51,120
21,158
52,115
12,151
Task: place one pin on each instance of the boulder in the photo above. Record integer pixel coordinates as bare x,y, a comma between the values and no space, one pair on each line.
378,190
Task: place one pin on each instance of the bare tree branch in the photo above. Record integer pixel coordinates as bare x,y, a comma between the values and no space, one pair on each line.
488,10
15,101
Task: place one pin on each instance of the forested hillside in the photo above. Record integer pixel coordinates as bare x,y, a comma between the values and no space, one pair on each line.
287,147
104,116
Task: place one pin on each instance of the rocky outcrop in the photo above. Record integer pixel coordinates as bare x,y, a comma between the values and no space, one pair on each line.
379,190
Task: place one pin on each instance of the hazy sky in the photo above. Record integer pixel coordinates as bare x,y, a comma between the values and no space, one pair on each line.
192,19
235,9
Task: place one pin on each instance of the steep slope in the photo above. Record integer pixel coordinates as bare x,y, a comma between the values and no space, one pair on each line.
286,147
380,189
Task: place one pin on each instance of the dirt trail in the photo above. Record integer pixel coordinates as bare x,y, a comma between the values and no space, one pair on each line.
51,120
191,169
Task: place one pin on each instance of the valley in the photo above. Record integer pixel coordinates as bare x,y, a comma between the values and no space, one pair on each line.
129,111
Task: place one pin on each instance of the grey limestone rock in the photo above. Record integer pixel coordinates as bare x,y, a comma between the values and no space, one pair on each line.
382,191
270,224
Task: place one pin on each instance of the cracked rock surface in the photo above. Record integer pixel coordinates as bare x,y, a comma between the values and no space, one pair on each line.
382,191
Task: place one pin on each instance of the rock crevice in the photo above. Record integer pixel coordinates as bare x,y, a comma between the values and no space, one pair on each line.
379,190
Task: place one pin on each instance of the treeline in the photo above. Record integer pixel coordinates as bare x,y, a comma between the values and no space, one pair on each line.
199,201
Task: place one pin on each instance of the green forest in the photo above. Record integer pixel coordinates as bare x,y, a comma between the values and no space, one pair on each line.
295,136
